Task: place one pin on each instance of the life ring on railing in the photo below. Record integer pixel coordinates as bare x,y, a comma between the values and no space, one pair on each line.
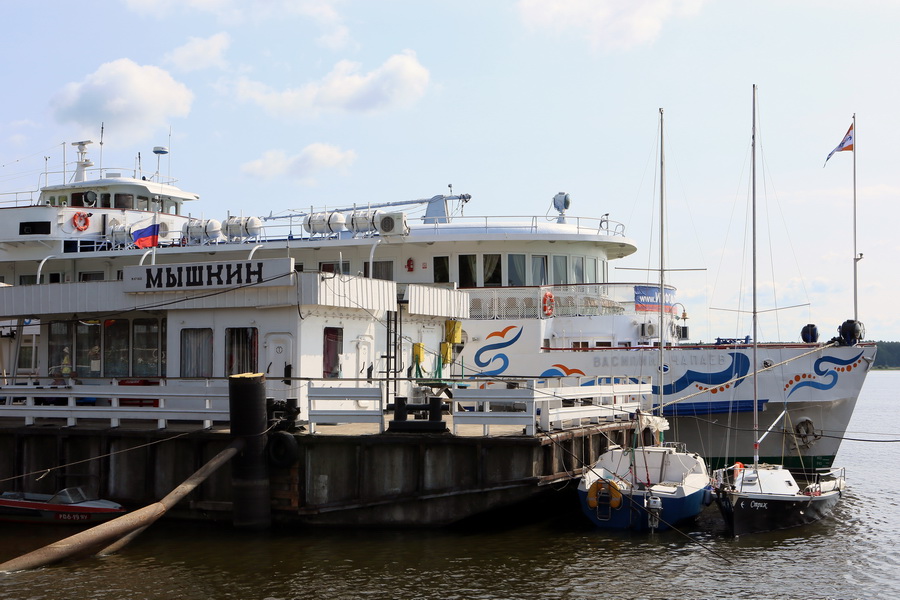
547,303
81,220
738,469
604,486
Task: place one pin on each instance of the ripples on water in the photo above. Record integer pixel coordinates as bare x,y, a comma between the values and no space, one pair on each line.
852,554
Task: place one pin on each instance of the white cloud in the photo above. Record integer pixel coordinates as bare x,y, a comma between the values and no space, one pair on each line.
606,24
335,34
200,53
133,101
310,161
399,82
223,9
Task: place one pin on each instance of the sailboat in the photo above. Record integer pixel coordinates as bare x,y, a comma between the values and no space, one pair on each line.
766,497
651,486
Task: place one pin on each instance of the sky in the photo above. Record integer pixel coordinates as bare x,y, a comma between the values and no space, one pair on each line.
276,105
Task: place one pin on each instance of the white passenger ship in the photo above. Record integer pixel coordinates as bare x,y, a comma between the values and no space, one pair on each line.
126,285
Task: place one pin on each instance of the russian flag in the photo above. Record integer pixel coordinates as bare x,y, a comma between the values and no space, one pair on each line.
146,237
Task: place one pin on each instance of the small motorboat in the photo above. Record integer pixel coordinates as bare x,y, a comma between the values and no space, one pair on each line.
70,505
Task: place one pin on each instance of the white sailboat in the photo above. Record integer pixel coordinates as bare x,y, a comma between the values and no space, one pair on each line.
647,487
766,497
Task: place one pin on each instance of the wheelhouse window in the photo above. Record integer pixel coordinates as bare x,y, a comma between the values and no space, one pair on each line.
515,270
441,269
539,270
196,352
560,270
493,276
115,348
331,356
124,201
578,268
590,273
468,275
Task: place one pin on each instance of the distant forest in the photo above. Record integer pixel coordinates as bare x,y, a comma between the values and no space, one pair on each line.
888,355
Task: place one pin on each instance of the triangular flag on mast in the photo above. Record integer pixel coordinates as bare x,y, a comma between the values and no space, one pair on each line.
846,144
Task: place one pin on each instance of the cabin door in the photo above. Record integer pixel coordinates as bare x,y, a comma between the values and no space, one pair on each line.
280,365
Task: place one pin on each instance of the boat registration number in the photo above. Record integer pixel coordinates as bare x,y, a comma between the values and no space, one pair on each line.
72,517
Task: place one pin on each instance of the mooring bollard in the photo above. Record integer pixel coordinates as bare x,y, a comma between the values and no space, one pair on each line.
251,498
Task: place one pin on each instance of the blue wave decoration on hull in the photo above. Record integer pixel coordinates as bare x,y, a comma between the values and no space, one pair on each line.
504,360
823,372
740,366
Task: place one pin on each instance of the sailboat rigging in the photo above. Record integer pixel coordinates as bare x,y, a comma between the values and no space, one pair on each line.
766,497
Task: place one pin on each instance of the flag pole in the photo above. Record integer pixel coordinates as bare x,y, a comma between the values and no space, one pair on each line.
856,257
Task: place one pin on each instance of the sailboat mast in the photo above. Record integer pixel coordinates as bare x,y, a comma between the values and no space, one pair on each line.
856,256
754,364
662,269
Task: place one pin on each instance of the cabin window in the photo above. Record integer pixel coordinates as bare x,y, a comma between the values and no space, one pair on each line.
539,270
91,276
32,279
298,267
493,276
468,276
59,346
105,200
515,270
87,348
124,201
169,206
115,348
578,267
382,269
590,273
145,351
241,350
63,200
77,198
581,346
196,352
603,344
560,270
332,267
441,269
331,356
26,358
143,203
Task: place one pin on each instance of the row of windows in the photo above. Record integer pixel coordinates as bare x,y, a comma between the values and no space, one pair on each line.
107,348
91,199
518,270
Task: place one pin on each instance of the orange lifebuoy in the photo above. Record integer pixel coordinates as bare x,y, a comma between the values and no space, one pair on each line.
738,469
81,220
547,303
601,487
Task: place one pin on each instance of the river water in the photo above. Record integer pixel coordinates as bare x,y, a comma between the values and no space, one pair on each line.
852,554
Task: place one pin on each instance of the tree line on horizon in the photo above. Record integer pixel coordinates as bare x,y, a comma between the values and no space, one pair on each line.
888,356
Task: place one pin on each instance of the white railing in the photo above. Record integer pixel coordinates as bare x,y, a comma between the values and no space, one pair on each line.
333,405
551,408
203,401
527,406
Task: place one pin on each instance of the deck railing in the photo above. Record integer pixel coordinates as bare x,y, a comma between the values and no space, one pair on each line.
526,404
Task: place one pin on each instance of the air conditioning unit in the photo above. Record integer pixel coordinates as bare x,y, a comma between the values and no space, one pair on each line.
393,223
648,330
